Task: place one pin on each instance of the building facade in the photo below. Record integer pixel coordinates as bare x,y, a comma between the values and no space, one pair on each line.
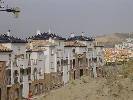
3,94
47,61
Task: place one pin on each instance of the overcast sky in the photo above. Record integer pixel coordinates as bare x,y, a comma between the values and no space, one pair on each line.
64,16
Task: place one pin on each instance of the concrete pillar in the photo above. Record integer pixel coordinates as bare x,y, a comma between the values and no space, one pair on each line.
94,71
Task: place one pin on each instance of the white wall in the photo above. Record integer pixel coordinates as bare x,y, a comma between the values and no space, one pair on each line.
25,90
47,64
18,48
65,74
4,56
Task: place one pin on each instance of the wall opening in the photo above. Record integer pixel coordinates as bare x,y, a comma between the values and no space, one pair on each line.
21,90
8,89
0,94
74,75
17,94
81,72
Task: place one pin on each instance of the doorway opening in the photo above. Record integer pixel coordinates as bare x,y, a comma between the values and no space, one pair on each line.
0,94
74,75
81,72
8,94
21,90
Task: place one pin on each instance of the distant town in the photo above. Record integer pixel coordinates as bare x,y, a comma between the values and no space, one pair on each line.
47,61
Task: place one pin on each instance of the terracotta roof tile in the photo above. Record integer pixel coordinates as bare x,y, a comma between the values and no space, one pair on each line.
4,49
38,45
74,44
41,43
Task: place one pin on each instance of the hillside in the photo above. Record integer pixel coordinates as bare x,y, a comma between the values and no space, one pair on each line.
93,89
110,40
116,85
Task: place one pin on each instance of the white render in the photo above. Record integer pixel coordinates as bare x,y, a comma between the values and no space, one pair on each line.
46,61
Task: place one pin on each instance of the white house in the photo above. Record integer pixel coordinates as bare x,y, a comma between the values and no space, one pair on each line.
53,54
14,59
47,61
97,60
92,52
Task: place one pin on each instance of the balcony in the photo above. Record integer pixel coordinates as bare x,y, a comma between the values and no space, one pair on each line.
8,80
35,77
8,76
29,77
16,80
29,62
81,63
22,63
21,79
8,64
52,69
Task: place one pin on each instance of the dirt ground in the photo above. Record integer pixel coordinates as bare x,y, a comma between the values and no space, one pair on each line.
116,85
93,89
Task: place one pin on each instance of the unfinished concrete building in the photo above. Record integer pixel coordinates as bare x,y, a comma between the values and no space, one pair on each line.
3,94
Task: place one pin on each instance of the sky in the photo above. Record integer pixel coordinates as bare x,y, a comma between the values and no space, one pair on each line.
93,17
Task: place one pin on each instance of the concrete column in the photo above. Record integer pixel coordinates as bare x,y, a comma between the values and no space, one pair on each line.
94,71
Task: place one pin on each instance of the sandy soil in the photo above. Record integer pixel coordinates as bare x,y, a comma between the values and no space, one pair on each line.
93,89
